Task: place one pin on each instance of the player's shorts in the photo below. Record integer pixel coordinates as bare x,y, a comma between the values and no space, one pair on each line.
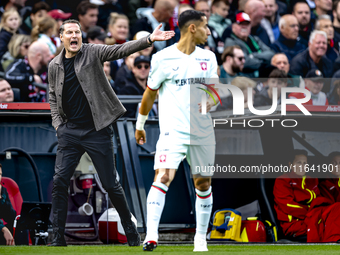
199,157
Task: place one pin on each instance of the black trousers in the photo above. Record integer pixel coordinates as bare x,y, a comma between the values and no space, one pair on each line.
73,141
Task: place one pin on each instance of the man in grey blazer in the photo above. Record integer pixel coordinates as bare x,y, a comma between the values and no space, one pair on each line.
83,107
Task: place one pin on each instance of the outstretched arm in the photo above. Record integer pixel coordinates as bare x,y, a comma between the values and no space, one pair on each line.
158,35
148,99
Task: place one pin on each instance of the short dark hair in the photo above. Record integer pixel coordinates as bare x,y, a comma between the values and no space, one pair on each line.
279,74
298,152
0,166
335,5
217,2
189,15
62,27
40,6
84,6
229,51
298,2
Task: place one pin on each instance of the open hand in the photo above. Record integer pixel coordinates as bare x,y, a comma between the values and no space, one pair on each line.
158,35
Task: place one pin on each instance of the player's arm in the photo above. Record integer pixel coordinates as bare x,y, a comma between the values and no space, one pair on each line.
148,99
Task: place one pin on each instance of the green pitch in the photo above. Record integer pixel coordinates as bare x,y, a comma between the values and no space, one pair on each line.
174,250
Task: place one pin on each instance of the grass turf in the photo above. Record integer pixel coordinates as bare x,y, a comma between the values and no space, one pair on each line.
181,250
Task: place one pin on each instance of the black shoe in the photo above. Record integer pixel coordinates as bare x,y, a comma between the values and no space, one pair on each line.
58,240
56,244
131,233
149,246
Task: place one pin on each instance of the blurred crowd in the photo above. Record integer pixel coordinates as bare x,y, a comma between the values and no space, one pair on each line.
259,44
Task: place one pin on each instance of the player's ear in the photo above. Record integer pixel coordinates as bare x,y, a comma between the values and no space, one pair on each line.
192,28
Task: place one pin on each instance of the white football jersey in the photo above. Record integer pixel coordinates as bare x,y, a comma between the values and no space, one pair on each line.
179,78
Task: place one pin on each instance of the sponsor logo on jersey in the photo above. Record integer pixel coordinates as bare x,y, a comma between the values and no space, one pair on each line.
188,81
204,66
176,68
162,158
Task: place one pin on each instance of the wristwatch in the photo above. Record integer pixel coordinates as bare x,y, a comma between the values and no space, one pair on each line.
149,40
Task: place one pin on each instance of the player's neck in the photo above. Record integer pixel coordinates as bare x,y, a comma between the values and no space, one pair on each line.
187,45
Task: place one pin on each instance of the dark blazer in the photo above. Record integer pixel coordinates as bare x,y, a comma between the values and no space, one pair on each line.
88,65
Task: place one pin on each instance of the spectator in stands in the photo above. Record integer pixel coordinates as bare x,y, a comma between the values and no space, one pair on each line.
44,31
6,93
288,41
105,8
302,12
150,18
277,79
96,35
256,12
233,63
87,16
7,4
336,20
148,51
107,71
242,83
9,24
59,16
273,16
299,206
123,71
30,18
8,214
257,54
281,62
22,72
334,96
314,82
136,83
118,28
323,7
314,57
329,187
218,18
215,42
17,48
324,23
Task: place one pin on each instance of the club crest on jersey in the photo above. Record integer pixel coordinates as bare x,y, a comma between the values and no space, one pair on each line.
204,66
162,158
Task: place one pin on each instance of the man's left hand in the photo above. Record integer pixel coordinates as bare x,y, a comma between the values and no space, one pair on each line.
158,35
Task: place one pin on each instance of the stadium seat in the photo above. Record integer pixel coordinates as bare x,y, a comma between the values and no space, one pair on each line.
13,193
266,199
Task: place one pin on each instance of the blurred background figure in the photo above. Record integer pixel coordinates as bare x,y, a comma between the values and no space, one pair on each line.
44,31
242,83
10,23
334,97
8,214
118,28
6,92
233,63
96,35
23,72
148,51
107,71
135,83
30,16
150,18
59,16
123,71
87,16
17,48
277,79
